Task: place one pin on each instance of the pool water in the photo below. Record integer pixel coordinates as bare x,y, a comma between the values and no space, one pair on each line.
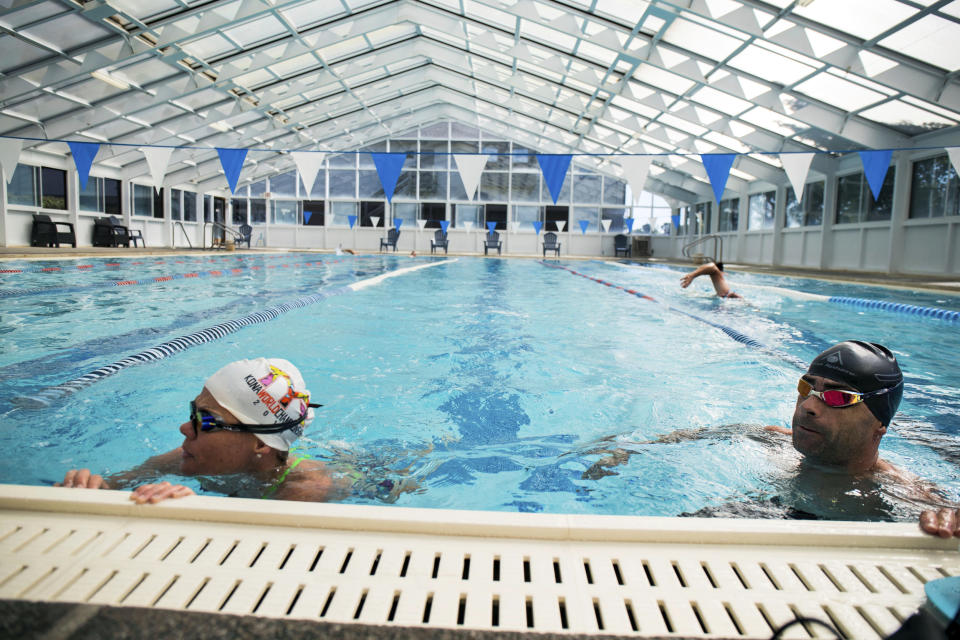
482,383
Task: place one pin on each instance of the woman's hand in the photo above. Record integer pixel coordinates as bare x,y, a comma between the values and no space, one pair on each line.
153,493
944,523
82,479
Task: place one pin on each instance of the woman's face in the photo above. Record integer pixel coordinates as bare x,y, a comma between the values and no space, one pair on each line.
216,452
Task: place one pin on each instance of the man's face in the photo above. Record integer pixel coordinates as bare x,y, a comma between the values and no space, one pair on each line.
840,436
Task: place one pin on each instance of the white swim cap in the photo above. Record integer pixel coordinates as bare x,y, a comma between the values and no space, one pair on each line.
264,391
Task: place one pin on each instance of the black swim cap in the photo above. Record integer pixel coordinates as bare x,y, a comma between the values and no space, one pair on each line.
865,366
719,265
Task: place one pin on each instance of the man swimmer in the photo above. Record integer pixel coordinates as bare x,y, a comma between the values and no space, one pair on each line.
715,271
241,427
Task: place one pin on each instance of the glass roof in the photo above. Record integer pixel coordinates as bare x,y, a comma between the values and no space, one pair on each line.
582,76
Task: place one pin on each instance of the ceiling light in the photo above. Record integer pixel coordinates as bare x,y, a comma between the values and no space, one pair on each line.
103,76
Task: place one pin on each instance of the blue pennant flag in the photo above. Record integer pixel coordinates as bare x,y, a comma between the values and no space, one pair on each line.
306,216
353,220
875,165
389,166
675,219
554,169
629,222
583,226
232,162
397,222
718,170
444,224
83,155
491,226
537,225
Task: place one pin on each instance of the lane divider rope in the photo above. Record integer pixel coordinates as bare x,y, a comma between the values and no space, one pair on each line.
733,333
946,315
44,397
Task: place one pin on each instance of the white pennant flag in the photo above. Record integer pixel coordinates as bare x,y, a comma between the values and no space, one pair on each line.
9,156
308,164
470,167
797,165
157,159
375,220
606,224
635,170
953,152
561,224
421,223
468,225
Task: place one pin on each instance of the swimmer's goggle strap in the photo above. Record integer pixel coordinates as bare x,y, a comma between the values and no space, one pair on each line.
838,398
205,421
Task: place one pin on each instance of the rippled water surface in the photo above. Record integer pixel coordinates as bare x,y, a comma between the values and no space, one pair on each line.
486,383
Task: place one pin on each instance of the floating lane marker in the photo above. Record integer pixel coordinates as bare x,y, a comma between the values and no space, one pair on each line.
44,397
733,333
863,303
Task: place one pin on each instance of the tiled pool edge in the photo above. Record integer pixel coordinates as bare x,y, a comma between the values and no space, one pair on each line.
641,576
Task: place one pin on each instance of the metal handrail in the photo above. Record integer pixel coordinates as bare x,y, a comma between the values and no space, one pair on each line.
717,246
236,234
180,224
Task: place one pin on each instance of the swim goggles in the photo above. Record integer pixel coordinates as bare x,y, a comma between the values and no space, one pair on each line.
207,422
839,398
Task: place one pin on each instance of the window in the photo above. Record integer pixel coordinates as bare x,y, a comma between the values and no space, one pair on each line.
102,195
258,210
239,211
701,218
175,200
340,213
284,185
855,202
285,212
496,213
615,216
525,215
406,211
525,187
313,213
809,211
433,213
433,185
147,201
372,214
590,214
614,191
729,216
493,186
586,189
38,187
761,209
558,218
463,213
189,206
935,188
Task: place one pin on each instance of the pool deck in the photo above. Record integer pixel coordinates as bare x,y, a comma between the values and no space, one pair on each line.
80,563
904,281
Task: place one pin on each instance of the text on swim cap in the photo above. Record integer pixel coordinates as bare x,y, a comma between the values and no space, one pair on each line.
272,404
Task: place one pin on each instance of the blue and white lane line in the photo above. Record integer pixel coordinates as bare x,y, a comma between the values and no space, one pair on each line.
46,396
864,303
733,333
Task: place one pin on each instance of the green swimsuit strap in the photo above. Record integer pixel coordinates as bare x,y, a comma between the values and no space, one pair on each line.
283,476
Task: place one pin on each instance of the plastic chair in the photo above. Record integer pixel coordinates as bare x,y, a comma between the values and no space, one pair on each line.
492,242
46,232
439,240
390,240
245,232
621,243
550,243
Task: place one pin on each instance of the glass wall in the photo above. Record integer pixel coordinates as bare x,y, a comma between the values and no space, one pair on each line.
147,201
761,209
102,195
42,187
809,211
729,215
935,188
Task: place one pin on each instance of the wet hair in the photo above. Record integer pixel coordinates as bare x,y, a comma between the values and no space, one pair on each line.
865,366
719,265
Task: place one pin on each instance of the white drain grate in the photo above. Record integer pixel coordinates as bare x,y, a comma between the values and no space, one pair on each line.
561,577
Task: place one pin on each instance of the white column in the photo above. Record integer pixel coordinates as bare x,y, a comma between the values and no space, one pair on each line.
3,211
829,215
779,219
901,210
167,221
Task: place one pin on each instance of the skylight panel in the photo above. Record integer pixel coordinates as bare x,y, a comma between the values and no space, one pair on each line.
489,14
210,46
143,10
343,49
836,91
662,79
935,108
67,32
28,14
931,39
594,53
255,31
862,18
683,125
773,121
726,141
626,12
771,66
308,14
700,39
254,79
731,105
897,113
393,33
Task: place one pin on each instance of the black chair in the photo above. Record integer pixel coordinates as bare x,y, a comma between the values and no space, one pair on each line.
550,243
47,233
108,232
136,236
439,240
245,232
390,240
492,242
621,243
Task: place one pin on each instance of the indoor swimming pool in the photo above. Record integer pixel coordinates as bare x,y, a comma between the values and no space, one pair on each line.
482,384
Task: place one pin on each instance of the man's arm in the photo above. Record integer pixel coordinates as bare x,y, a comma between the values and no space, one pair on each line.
159,465
704,269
